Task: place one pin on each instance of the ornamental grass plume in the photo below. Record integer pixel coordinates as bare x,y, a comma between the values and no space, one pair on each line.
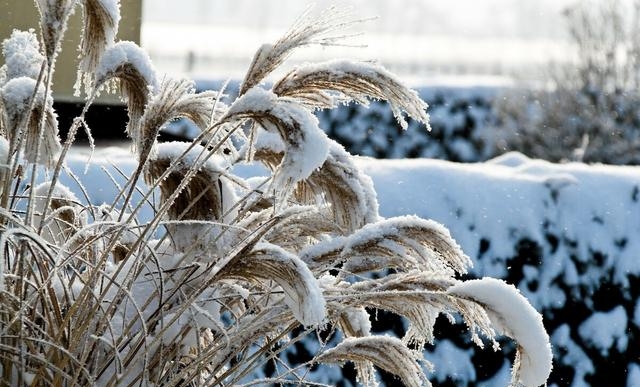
228,272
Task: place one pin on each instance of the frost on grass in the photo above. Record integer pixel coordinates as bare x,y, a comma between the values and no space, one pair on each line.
409,242
324,30
513,316
65,218
24,100
207,197
4,153
176,98
301,290
350,199
54,15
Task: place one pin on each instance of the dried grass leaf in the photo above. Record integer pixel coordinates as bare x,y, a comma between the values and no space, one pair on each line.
267,262
293,229
420,297
98,32
175,99
352,82
269,157
338,185
297,232
54,15
388,353
126,62
405,243
341,186
204,196
306,31
24,123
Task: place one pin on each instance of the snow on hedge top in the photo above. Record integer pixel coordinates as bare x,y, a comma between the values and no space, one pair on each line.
22,55
512,315
491,207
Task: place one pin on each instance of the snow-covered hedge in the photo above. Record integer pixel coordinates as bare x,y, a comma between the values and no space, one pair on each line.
565,235
459,120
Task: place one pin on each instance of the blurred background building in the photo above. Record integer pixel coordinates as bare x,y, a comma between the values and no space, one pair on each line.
418,39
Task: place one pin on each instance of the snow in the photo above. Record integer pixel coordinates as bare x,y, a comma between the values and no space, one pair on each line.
501,378
453,363
269,140
501,201
359,319
606,330
512,315
22,55
127,53
633,379
16,94
308,146
112,7
575,357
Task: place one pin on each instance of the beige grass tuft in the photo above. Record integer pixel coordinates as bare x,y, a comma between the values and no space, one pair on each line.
227,273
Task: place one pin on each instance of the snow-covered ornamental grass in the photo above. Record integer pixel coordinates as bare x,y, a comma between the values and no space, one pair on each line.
228,272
